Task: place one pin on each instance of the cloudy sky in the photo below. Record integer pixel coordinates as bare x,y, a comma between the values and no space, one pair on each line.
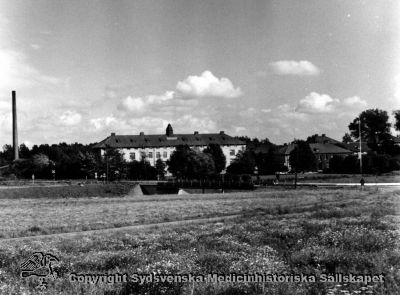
277,69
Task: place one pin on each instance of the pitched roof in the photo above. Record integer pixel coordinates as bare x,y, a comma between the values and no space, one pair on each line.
328,148
317,148
355,146
143,141
323,139
260,148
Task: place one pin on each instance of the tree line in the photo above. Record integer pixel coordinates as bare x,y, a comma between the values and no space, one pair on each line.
383,155
78,161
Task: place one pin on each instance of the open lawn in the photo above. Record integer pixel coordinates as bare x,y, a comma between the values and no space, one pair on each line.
279,232
337,178
25,217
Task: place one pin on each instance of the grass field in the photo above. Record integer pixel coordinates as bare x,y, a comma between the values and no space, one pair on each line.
64,190
338,178
279,232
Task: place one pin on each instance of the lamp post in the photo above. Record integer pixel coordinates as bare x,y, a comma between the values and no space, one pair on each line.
256,174
223,172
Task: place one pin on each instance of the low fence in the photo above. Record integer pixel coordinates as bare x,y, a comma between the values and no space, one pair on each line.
207,184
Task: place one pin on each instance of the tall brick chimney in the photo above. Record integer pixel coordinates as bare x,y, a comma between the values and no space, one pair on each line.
15,128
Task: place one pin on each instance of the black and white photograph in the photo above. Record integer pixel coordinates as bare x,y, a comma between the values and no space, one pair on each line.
190,147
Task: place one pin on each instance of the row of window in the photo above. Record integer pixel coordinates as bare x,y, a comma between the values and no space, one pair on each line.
165,154
149,155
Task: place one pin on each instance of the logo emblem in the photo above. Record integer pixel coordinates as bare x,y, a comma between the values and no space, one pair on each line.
40,265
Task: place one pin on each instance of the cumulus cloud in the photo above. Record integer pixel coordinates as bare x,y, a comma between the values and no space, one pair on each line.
354,101
140,104
128,125
102,122
317,103
152,124
189,122
173,102
291,67
266,110
207,85
133,104
70,118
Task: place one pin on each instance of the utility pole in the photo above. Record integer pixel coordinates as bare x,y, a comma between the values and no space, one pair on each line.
359,133
297,164
107,168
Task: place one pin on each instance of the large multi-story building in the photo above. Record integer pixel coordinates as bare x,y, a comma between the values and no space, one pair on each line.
161,146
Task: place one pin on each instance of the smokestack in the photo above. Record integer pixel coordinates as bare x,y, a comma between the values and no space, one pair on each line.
15,131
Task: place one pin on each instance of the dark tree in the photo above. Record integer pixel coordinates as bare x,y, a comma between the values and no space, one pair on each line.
113,164
336,164
88,163
270,162
24,152
200,165
41,165
302,158
351,164
141,170
160,167
70,161
244,163
265,141
388,146
188,164
347,138
246,139
380,163
374,127
8,154
397,120
178,162
217,155
23,168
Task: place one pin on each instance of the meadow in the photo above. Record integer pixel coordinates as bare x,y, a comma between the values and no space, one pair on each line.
310,231
336,178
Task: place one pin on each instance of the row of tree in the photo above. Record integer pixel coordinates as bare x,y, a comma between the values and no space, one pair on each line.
45,161
371,164
77,161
